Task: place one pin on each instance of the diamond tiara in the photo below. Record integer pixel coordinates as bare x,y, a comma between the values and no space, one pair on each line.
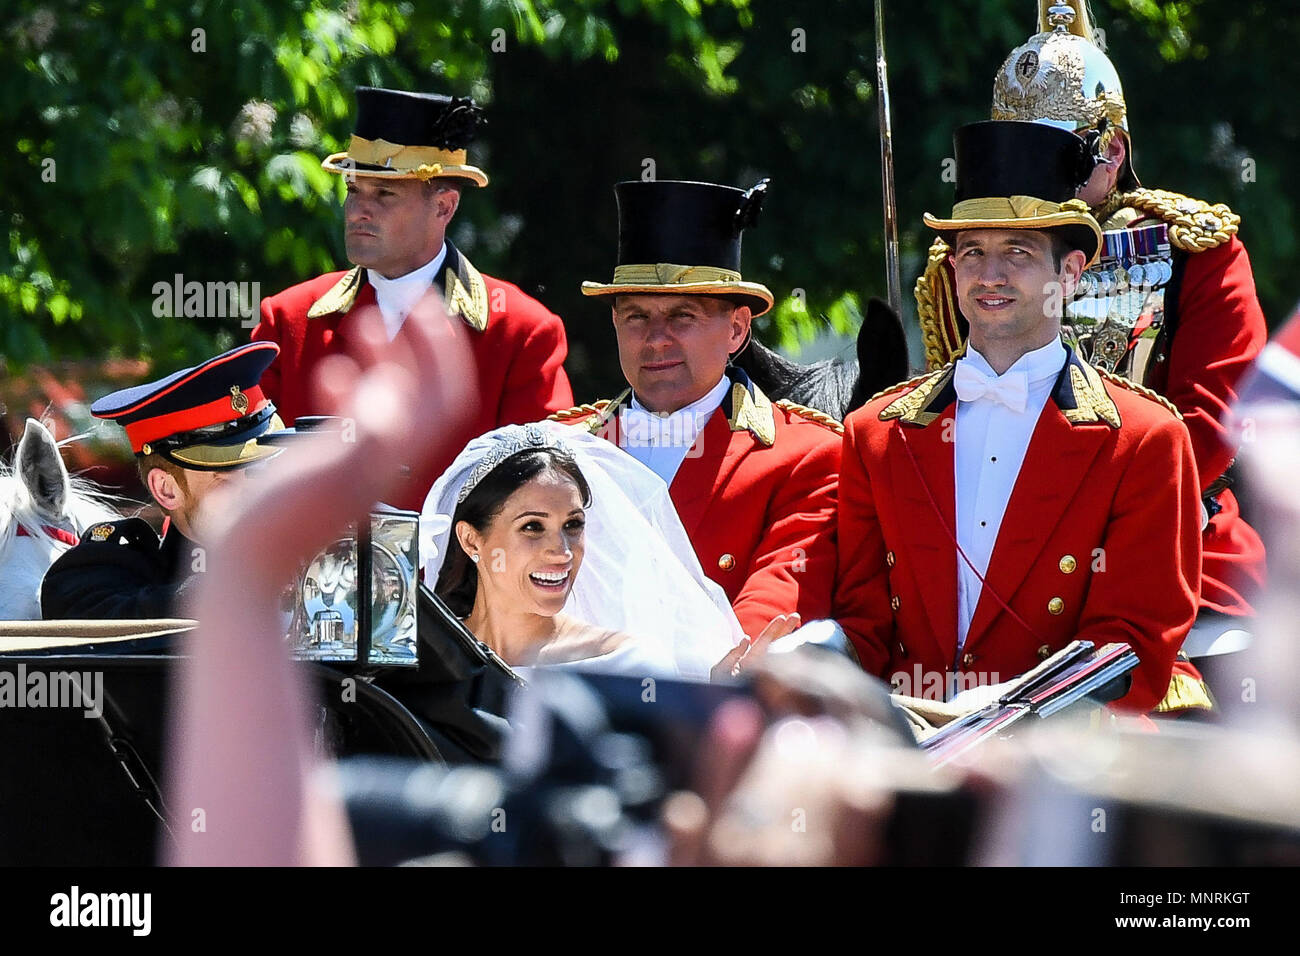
532,438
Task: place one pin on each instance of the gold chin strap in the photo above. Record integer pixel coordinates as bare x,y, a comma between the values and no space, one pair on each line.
666,273
418,159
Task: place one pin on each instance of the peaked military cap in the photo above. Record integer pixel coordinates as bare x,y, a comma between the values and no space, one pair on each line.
206,418
683,238
401,135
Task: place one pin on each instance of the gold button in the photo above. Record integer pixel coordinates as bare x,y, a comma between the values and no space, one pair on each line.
1055,606
1068,564
889,558
726,562
1044,652
894,602
146,448
967,659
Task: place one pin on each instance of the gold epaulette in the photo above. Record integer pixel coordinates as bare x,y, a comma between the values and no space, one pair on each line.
1186,693
578,411
935,299
813,415
898,387
1142,390
1194,224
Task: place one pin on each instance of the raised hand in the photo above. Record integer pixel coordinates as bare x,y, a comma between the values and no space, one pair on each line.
241,750
752,650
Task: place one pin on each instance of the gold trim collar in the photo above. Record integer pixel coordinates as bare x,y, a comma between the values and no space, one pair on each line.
750,410
465,294
1078,392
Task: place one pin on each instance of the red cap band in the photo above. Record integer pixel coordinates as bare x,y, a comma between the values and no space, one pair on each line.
204,416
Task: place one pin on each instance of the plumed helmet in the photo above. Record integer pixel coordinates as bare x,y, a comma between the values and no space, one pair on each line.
1061,78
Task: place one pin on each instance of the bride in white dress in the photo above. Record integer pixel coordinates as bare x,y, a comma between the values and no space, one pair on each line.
557,548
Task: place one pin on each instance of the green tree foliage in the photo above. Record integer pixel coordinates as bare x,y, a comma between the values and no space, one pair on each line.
142,140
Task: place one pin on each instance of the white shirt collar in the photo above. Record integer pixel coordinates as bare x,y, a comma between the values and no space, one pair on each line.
700,410
396,297
1041,363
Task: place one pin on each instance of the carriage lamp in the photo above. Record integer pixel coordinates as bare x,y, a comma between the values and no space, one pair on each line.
355,601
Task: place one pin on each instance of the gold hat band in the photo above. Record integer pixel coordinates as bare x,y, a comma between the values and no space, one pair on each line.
1014,207
666,273
380,152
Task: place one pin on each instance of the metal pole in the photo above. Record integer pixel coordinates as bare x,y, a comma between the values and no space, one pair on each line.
893,277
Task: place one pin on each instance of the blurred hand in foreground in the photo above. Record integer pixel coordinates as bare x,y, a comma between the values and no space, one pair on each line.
243,786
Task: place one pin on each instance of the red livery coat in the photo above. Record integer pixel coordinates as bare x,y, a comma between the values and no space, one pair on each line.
519,348
1216,330
1100,540
1219,333
756,495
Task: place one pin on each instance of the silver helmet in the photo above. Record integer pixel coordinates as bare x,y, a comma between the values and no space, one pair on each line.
1061,78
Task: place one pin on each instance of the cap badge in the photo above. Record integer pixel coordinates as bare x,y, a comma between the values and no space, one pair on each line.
238,400
101,532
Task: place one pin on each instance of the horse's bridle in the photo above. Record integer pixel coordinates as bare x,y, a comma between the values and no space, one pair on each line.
67,537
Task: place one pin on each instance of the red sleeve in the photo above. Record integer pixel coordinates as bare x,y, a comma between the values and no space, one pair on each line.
1147,594
1220,332
793,565
268,330
861,602
536,384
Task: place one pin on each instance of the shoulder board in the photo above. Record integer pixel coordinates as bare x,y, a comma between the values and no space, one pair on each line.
578,411
1142,390
813,415
1194,224
908,384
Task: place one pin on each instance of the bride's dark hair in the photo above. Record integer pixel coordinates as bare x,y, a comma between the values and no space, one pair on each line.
458,578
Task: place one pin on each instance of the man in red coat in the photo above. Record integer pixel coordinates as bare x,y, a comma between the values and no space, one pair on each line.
406,166
1016,500
1175,285
753,481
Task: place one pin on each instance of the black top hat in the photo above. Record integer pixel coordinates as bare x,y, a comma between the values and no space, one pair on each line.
205,418
401,135
1015,175
683,238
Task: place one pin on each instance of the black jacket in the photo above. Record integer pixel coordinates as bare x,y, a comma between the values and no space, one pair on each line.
120,570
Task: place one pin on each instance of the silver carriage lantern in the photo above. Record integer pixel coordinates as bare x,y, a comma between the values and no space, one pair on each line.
355,601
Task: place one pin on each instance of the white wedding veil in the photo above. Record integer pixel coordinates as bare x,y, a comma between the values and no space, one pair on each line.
640,574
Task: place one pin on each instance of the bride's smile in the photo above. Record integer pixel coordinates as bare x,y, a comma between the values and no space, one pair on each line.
531,551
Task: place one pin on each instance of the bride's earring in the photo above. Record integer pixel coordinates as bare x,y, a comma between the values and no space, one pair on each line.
474,558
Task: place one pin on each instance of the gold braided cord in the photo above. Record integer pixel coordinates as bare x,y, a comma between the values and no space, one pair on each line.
1194,224
1142,390
902,385
813,415
667,273
578,411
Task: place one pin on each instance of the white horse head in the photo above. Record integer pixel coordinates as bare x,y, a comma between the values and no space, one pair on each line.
43,511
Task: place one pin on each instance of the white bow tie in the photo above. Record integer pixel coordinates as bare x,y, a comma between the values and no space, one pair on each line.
647,429
1010,389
